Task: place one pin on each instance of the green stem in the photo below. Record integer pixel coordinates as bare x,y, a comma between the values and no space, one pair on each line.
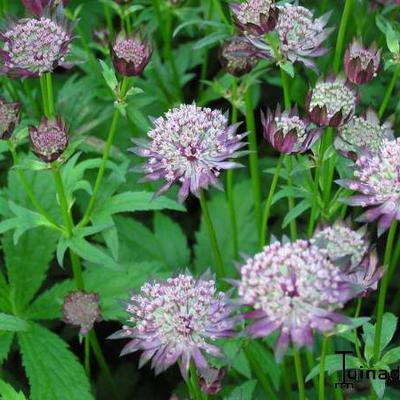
389,91
194,380
285,88
310,364
321,389
220,269
102,362
253,157
268,203
299,374
314,207
258,371
220,11
106,156
286,381
356,341
292,225
383,291
341,35
87,355
50,95
108,17
43,87
29,190
229,183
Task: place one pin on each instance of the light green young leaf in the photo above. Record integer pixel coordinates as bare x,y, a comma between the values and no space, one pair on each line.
53,371
295,212
379,387
109,76
7,392
392,356
392,40
288,68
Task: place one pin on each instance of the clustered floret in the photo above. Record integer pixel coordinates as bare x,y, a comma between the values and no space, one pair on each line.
190,145
178,319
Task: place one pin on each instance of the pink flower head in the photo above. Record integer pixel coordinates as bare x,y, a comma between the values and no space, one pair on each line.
130,55
177,319
363,134
49,139
293,288
377,179
34,46
255,16
82,309
361,64
287,132
190,145
331,102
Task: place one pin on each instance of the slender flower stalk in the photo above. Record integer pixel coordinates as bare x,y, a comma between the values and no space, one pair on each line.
321,390
299,374
389,91
253,158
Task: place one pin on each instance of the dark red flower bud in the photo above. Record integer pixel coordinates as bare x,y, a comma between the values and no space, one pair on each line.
9,118
37,7
49,139
361,64
130,55
211,380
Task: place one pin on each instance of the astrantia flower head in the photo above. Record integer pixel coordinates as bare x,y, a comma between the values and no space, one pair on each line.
130,55
377,178
363,133
361,64
34,46
287,132
82,309
332,102
300,35
238,56
255,16
39,7
49,139
351,252
293,288
190,145
177,320
9,118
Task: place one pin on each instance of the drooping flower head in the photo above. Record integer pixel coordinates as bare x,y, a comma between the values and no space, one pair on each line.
377,178
287,132
255,16
49,139
351,252
190,145
177,319
10,117
39,7
34,46
300,35
238,56
82,309
361,64
331,102
363,133
294,289
130,55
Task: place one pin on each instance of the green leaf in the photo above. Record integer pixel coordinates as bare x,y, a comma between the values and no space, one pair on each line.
53,371
27,263
236,357
11,323
243,392
9,393
172,241
379,387
392,40
110,287
295,212
334,363
136,201
353,324
391,356
288,67
109,76
6,339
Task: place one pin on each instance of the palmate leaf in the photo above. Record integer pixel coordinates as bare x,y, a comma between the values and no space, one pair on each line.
6,339
111,288
12,324
53,371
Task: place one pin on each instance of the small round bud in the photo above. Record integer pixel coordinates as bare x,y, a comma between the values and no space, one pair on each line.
82,309
130,55
49,139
